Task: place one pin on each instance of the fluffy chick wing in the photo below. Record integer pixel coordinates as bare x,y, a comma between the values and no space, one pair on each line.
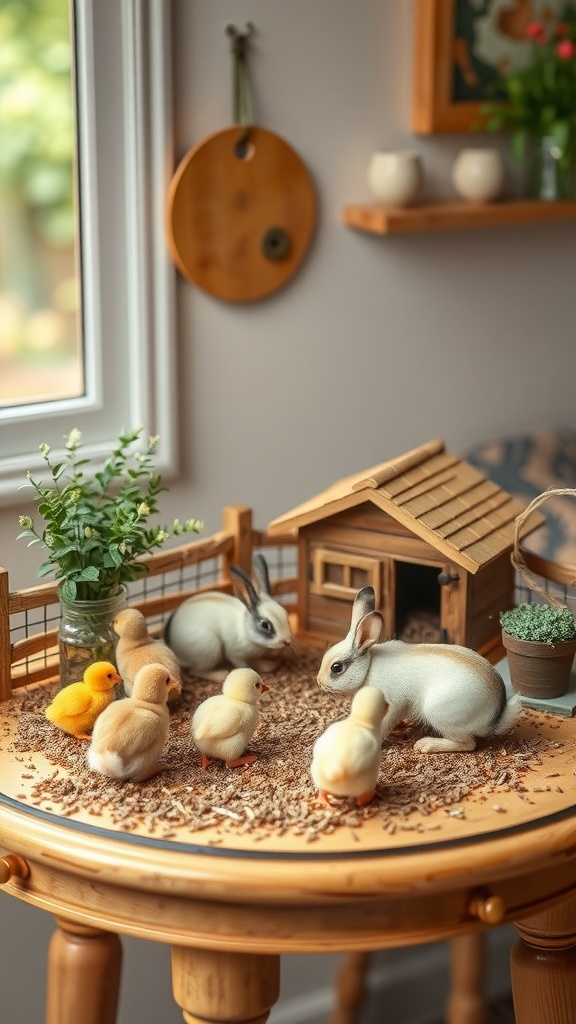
71,702
345,751
131,660
218,718
129,731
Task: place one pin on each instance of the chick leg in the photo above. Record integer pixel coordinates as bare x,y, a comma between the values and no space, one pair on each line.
82,736
245,759
324,798
365,798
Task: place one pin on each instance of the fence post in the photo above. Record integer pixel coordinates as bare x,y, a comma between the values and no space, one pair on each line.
237,520
5,648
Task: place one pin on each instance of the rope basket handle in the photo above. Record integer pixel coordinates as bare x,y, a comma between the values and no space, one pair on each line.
517,558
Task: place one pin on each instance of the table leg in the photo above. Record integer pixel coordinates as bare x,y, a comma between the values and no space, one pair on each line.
543,966
210,985
350,988
84,967
466,1001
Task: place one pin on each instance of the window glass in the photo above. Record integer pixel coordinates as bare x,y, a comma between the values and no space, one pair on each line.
111,166
40,343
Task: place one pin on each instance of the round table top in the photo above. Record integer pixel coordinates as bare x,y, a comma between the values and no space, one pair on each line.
491,829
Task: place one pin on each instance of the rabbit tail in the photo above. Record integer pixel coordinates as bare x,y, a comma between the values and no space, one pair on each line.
509,716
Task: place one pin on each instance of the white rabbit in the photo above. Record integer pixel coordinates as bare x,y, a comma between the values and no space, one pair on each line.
212,630
456,692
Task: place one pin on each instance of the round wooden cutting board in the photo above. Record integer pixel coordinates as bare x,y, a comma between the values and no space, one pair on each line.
240,215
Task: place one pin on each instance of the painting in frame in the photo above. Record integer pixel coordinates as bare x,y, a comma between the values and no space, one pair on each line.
461,47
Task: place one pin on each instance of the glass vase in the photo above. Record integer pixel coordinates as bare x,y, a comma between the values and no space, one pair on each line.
86,634
550,174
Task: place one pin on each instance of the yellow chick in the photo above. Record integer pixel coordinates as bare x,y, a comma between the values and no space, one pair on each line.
76,707
346,757
223,725
129,735
137,648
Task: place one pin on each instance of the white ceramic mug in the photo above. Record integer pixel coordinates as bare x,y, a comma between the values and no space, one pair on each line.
395,176
478,175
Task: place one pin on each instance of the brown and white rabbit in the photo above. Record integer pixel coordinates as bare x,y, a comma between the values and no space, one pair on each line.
212,631
453,690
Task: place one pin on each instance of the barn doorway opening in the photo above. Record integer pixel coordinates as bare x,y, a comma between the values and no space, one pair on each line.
417,603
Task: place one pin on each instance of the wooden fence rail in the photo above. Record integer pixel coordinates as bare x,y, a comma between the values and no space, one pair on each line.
29,618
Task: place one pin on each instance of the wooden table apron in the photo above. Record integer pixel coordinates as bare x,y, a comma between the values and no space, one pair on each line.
258,901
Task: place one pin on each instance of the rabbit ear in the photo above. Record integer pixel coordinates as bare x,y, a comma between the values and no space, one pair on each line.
364,602
368,632
242,587
260,573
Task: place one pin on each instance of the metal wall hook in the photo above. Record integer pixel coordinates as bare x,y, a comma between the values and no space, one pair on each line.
242,106
239,39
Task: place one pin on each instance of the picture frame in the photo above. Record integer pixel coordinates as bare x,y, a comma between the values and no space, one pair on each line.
461,48
433,106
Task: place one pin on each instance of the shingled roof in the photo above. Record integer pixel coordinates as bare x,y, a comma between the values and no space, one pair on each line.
439,497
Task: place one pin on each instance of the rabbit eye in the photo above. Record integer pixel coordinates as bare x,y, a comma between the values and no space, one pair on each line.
266,626
337,668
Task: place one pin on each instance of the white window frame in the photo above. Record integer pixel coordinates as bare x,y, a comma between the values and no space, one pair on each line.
128,279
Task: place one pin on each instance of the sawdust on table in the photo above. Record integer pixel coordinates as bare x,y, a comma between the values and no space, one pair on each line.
275,794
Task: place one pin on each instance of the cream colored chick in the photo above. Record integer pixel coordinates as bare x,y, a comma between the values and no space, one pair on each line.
346,757
223,725
137,648
76,707
129,736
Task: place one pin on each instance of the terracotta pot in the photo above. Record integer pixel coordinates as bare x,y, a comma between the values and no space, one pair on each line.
537,669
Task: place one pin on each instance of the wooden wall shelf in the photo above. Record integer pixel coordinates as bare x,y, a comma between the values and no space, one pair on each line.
381,220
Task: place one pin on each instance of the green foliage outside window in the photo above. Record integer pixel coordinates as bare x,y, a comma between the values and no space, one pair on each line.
37,130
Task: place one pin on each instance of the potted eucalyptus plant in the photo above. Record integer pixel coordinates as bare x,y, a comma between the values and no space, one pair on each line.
96,532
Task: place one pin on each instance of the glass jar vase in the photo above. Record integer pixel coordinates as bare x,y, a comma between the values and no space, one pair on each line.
86,634
550,175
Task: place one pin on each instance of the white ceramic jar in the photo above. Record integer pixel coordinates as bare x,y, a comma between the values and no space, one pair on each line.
395,176
478,175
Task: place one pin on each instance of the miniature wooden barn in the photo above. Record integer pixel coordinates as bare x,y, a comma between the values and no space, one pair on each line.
429,532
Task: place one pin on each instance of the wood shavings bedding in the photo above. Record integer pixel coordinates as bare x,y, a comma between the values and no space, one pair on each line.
275,794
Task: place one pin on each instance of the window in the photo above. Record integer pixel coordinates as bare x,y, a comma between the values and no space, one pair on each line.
123,98
40,339
339,574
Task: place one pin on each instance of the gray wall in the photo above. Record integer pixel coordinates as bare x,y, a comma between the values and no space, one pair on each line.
376,345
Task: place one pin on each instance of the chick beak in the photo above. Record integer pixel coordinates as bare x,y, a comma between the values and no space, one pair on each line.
116,678
174,686
264,687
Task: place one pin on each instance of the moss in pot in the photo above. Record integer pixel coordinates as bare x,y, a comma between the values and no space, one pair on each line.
540,641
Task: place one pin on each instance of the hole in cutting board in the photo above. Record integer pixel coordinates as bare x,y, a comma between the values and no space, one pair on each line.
244,150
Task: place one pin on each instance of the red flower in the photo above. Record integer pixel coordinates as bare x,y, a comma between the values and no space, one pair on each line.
536,31
565,50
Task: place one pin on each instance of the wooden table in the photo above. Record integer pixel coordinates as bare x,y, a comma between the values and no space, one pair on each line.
229,910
